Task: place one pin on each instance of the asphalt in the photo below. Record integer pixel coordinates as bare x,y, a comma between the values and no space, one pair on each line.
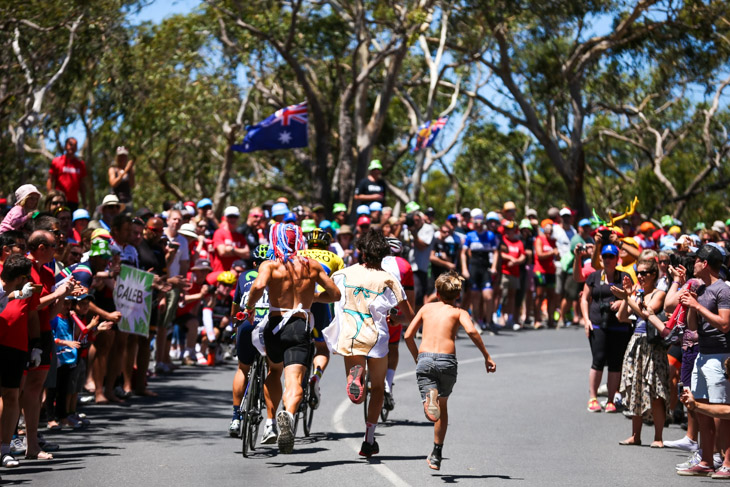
525,425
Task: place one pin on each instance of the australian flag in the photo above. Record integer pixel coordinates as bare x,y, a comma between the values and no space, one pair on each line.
427,133
285,129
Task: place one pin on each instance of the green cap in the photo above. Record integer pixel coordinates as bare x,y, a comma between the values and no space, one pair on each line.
667,221
308,226
727,222
375,164
525,223
100,248
699,226
412,206
338,207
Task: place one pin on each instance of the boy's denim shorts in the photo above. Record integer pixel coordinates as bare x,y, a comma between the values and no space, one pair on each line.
436,371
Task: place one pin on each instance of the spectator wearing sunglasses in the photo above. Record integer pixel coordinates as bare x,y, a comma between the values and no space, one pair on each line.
110,207
253,231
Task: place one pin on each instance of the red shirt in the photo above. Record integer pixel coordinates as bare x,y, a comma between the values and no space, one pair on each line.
223,236
182,310
514,249
45,278
68,174
546,265
14,322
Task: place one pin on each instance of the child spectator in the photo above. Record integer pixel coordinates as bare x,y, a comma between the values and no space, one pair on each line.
436,357
26,202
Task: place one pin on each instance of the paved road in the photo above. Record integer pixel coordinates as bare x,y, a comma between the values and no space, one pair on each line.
525,425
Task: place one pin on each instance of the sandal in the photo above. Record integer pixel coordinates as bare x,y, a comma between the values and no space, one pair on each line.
630,442
41,455
657,444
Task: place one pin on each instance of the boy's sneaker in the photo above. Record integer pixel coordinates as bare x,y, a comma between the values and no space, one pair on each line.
18,446
367,450
314,394
433,412
693,460
722,473
610,407
285,422
685,443
234,428
434,461
698,470
269,437
593,405
355,386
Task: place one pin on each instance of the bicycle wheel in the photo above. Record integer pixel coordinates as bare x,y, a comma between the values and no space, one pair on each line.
384,413
366,391
245,418
255,418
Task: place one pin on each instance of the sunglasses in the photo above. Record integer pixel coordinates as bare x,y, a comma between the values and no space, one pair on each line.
57,202
644,273
137,221
76,254
156,230
256,215
609,256
665,262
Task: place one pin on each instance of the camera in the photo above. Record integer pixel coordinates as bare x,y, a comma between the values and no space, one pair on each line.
580,248
410,220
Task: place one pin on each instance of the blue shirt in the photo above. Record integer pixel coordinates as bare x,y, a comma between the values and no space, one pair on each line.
243,288
481,245
63,329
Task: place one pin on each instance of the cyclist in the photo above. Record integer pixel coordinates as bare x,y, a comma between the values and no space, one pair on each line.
246,352
318,243
291,280
480,248
401,270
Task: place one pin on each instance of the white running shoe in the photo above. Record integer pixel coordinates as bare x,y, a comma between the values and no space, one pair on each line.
234,428
685,443
270,436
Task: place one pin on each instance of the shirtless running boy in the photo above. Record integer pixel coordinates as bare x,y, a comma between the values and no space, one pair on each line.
291,280
436,357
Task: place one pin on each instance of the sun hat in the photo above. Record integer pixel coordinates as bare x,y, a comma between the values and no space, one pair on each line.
308,225
24,191
100,248
279,209
376,206
188,230
339,207
111,200
375,164
412,206
477,214
525,224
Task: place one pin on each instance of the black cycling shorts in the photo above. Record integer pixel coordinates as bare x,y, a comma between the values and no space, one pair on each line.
322,319
480,277
292,345
244,347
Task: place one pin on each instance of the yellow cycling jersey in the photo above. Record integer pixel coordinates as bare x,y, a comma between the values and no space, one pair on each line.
330,261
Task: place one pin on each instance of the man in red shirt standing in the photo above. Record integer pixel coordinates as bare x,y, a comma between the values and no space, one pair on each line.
68,174
228,243
513,256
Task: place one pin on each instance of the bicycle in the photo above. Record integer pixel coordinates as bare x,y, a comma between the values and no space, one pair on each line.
386,408
252,405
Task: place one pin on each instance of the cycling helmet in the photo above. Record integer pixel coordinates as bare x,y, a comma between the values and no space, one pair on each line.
260,252
396,246
319,239
227,277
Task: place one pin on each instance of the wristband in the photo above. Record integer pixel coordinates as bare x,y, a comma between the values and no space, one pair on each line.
57,341
16,294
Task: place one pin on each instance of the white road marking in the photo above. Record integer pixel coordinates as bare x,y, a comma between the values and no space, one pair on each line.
384,471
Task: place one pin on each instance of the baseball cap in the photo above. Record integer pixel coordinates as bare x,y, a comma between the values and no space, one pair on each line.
699,226
345,229
453,216
585,222
232,211
363,210
122,150
238,263
711,254
81,214
308,225
609,249
531,212
375,164
477,214
718,226
325,224
205,202
412,206
727,222
202,265
647,227
525,223
290,217
100,248
101,233
430,211
144,213
565,212
666,221
466,211
318,207
492,215
363,220
509,225
279,209
339,207
509,206
188,230
553,212
546,222
675,229
376,206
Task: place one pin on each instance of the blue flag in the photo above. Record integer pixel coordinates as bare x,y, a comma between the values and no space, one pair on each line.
285,129
427,133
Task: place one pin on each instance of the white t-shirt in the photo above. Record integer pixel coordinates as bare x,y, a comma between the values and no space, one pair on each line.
182,254
421,259
3,298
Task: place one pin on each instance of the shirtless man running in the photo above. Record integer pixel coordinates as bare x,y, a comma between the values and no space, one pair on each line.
291,281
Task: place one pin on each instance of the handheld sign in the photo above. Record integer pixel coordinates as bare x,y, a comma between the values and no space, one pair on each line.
133,299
